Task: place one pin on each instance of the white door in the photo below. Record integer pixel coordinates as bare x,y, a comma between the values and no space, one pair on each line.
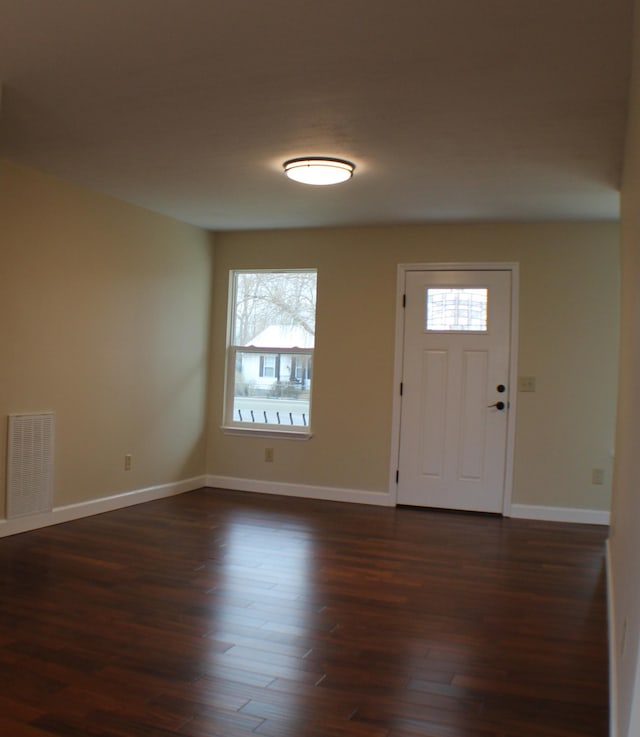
455,392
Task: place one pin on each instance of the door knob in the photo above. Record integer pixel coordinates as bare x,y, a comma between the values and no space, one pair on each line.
501,388
497,405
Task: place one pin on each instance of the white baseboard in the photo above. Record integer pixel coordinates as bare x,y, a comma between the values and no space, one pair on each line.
98,506
328,493
384,499
303,491
560,514
613,663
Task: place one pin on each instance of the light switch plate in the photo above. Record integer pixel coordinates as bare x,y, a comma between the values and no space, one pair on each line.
526,383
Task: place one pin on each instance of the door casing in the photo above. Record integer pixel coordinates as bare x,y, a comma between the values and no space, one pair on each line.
398,368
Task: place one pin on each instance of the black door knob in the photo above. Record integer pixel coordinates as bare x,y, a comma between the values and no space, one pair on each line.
498,405
501,388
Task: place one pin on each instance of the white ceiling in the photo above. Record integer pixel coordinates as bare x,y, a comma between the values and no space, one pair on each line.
452,110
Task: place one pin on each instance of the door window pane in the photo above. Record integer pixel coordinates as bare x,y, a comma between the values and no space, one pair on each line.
456,310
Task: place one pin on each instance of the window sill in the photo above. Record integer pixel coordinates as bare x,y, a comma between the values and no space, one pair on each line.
266,432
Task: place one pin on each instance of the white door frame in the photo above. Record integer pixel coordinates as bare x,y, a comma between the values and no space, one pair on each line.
398,368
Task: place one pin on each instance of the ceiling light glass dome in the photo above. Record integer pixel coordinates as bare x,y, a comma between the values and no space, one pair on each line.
319,170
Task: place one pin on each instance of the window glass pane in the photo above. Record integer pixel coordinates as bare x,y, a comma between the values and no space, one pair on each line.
275,309
272,388
456,309
272,326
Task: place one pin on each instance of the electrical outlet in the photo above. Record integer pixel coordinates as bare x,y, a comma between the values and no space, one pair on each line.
127,462
597,476
268,455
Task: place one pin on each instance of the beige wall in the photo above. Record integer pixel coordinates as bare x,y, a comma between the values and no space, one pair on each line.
103,319
568,341
625,531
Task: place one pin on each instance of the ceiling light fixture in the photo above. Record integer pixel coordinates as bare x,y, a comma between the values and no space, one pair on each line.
318,170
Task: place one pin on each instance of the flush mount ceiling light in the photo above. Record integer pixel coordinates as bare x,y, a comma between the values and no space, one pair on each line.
318,170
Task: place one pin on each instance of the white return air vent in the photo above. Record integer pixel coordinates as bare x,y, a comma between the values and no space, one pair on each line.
30,464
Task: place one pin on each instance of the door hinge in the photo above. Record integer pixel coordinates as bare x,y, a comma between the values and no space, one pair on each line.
397,476
404,300
401,388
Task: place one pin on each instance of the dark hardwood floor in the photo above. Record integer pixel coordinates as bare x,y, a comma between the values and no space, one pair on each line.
223,614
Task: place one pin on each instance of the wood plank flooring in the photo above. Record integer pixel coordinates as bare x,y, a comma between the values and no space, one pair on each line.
224,614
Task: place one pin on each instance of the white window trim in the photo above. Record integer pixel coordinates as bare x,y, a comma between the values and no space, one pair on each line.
257,429
265,431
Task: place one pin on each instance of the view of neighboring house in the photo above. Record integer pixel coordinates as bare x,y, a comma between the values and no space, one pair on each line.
273,377
280,370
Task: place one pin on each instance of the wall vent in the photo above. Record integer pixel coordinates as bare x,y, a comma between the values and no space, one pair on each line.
30,464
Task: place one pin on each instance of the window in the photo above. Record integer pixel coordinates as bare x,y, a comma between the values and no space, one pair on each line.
271,331
268,365
462,310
